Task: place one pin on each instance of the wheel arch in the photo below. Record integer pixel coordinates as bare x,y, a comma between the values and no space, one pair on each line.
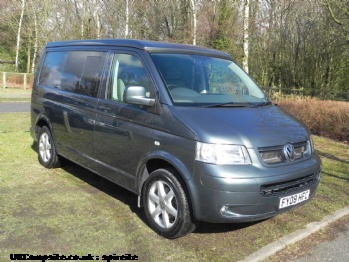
165,160
42,120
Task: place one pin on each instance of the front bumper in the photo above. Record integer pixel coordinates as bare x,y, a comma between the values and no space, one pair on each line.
250,193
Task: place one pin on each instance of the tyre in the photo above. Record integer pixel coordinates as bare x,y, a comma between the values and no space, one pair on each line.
166,205
46,149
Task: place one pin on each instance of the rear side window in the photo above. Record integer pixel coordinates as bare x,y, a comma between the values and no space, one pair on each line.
51,71
75,71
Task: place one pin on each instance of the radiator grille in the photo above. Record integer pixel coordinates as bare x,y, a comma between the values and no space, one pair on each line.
276,154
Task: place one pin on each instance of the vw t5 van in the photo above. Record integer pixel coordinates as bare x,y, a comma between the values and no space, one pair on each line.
181,126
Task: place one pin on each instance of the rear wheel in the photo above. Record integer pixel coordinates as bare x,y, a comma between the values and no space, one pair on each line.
166,205
46,149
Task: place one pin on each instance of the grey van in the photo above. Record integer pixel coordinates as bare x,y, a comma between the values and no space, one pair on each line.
181,126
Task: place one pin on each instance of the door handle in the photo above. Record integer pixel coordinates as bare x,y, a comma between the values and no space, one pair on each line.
104,108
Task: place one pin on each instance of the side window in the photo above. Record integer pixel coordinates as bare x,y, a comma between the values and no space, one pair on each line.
51,71
74,71
82,71
128,70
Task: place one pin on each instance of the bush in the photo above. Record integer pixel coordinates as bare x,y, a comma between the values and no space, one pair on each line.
16,80
325,118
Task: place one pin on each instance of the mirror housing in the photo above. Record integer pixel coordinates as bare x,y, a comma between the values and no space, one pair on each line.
137,95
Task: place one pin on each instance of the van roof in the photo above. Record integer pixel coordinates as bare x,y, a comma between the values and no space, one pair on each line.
151,46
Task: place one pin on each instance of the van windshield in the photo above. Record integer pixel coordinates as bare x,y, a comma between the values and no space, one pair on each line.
196,80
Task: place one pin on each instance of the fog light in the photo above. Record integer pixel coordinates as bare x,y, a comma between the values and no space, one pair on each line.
224,210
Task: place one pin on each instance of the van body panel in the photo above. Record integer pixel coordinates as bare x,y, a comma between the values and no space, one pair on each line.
242,192
74,120
252,127
167,122
122,137
175,150
204,107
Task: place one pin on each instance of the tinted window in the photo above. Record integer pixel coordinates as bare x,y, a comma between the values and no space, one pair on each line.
82,72
51,72
74,71
128,70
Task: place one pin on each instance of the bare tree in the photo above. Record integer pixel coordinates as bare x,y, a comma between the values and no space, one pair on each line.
273,40
19,34
339,11
246,36
35,51
193,6
127,18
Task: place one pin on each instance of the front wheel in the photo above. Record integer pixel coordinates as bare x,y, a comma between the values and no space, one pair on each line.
46,149
166,205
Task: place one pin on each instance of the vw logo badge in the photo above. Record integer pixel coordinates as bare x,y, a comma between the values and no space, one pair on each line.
289,152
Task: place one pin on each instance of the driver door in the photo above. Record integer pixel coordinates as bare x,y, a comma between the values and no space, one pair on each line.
123,131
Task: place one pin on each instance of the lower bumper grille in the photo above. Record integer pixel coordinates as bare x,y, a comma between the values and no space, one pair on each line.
288,186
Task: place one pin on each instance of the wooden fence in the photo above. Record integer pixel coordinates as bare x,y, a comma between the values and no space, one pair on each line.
16,80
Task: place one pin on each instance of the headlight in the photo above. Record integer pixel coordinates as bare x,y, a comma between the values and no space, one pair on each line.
222,154
311,142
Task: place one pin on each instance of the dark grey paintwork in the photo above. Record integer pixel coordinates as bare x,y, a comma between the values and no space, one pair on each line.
125,143
252,127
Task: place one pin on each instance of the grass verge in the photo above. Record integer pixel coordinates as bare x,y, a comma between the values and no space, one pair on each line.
72,211
14,95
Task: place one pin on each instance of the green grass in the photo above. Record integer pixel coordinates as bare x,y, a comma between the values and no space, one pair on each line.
14,95
69,210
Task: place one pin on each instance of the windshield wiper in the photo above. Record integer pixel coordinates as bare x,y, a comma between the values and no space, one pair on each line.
231,104
264,103
235,104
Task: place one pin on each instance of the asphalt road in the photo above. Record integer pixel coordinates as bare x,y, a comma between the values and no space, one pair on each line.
335,249
14,107
325,240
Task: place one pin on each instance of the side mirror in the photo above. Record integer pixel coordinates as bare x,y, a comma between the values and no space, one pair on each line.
137,95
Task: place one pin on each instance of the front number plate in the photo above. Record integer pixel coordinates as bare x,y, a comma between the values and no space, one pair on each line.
294,199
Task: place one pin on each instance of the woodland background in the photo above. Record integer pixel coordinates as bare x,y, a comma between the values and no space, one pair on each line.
289,46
